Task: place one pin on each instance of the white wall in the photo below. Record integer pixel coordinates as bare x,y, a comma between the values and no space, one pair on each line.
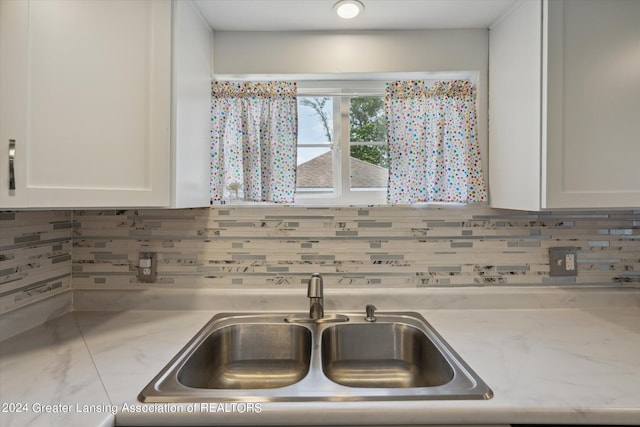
258,53
350,52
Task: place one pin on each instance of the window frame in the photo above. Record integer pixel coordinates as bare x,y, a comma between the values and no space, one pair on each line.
341,92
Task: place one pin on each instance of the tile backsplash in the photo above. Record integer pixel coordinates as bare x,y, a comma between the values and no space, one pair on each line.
35,256
385,246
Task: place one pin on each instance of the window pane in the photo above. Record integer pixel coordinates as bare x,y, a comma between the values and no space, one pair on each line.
315,126
368,162
315,120
315,169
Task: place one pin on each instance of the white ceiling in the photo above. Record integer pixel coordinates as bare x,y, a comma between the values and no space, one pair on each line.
318,15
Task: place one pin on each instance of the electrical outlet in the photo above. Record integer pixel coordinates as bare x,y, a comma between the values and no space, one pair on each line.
570,262
563,262
147,267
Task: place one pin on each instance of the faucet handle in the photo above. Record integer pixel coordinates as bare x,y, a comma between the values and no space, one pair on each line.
370,310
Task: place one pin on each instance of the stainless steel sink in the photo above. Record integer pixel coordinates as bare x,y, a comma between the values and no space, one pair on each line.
265,358
392,355
249,356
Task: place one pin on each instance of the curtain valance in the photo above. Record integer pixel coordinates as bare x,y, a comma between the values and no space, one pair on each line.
417,88
224,89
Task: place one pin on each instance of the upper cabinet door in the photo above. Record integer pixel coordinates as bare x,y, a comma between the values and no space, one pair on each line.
515,76
86,96
563,105
191,127
592,90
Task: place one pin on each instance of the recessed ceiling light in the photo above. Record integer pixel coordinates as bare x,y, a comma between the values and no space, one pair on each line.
348,9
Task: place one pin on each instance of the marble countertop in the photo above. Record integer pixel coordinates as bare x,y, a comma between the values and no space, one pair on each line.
557,357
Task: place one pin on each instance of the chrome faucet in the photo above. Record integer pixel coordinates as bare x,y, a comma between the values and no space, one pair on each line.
315,293
316,297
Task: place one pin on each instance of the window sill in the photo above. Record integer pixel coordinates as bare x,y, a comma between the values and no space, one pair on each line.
333,203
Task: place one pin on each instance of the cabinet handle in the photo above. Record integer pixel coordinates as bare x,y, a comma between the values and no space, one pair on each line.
12,157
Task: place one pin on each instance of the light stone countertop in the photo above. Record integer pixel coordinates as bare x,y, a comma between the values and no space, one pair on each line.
561,356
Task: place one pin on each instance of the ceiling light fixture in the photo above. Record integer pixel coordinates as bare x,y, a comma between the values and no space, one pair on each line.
348,9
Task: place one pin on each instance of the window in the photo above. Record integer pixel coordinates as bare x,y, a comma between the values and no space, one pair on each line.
342,148
341,154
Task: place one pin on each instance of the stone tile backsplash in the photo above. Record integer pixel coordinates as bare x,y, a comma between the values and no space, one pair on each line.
385,246
45,253
35,256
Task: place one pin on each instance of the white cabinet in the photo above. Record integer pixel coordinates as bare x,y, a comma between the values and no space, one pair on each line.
564,80
191,112
86,95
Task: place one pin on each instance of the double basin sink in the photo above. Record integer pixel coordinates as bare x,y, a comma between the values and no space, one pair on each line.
280,357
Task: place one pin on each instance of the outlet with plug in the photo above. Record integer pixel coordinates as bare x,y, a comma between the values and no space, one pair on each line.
563,262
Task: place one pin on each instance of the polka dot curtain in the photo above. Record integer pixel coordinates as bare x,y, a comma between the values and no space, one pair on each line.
434,155
254,131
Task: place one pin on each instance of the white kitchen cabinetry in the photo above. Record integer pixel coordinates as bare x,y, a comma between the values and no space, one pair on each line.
86,99
191,102
564,84
86,89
